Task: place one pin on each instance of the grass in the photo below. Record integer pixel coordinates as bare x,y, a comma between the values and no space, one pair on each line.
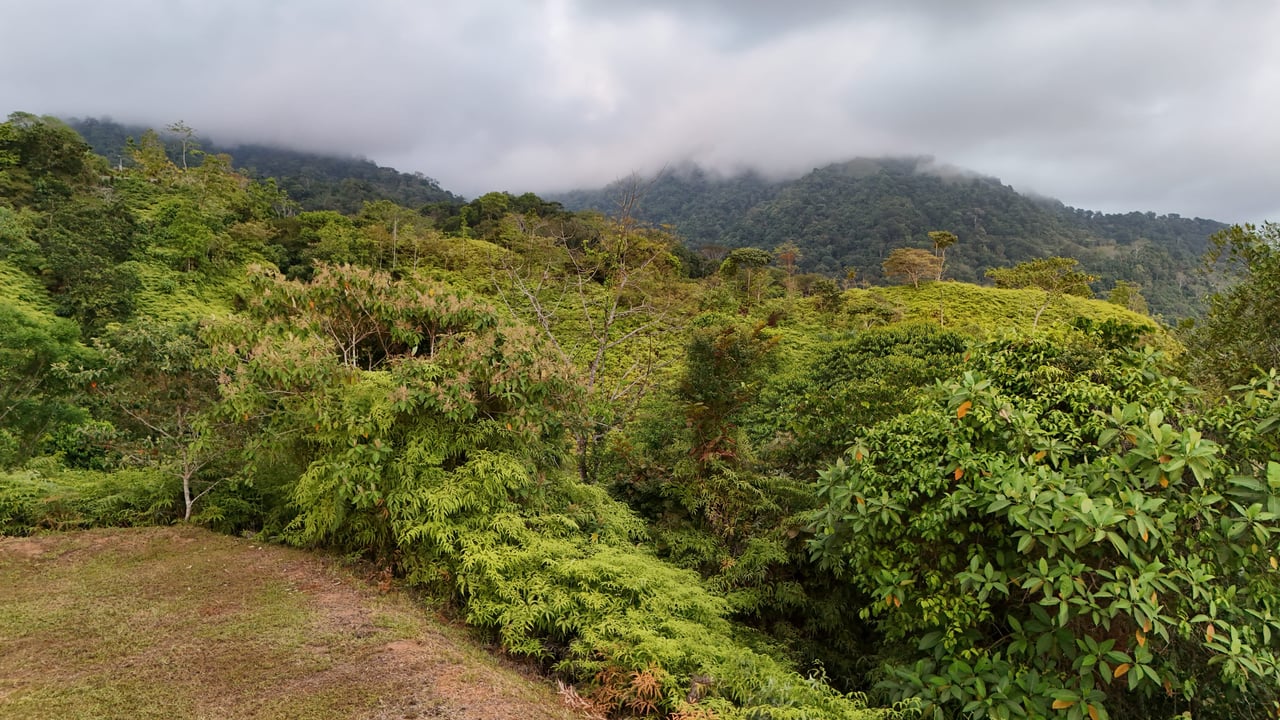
981,310
182,623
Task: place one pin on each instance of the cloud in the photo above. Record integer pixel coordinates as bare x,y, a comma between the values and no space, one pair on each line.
1168,106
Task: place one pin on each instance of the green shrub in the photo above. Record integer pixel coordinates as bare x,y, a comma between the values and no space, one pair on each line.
34,500
1061,533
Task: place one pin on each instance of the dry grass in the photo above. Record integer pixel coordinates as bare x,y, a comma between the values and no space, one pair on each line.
182,623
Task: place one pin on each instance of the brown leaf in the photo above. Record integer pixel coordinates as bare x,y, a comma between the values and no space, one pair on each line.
964,408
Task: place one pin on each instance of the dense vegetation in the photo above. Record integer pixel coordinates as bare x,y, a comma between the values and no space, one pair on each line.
688,488
847,217
312,180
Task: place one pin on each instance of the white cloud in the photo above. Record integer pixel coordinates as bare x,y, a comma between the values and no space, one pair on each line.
1168,106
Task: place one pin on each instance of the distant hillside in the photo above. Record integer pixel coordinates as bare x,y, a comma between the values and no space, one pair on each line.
850,215
314,181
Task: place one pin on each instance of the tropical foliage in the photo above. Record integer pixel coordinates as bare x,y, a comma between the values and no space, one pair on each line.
688,484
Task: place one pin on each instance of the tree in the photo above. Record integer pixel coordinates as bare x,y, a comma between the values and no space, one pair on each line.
788,254
826,294
1241,331
1056,276
601,294
42,367
1128,295
912,264
390,221
162,392
745,264
1063,532
187,138
942,240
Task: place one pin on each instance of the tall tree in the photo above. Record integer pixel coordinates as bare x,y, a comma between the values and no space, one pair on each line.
161,391
746,265
1128,295
942,239
187,139
788,254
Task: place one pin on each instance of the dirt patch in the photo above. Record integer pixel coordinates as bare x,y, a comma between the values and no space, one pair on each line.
182,623
25,548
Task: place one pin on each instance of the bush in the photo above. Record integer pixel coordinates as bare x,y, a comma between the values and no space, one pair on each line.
53,499
1062,533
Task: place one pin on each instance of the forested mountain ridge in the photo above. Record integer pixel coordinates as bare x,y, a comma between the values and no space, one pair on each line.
850,215
315,181
843,217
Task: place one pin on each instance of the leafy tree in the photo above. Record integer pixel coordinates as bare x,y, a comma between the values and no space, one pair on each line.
942,239
42,368
912,264
826,294
1241,332
1128,295
390,221
1062,534
601,295
187,138
745,264
43,160
1056,276
162,395
788,255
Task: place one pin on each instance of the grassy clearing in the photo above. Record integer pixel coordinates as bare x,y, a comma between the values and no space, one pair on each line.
182,623
982,310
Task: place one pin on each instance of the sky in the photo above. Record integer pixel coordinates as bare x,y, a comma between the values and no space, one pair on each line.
1160,105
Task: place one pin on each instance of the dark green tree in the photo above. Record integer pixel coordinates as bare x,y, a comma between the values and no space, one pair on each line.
1062,534
1241,332
746,266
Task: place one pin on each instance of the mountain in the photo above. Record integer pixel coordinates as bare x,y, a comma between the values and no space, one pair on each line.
314,181
850,215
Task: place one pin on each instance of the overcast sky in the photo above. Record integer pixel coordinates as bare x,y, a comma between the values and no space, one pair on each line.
1164,105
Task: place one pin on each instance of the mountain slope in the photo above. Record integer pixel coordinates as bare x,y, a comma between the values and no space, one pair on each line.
315,181
851,215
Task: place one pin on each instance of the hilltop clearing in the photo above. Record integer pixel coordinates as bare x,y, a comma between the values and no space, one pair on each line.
179,622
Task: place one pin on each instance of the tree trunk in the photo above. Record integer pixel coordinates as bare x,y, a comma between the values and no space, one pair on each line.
186,496
1043,306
